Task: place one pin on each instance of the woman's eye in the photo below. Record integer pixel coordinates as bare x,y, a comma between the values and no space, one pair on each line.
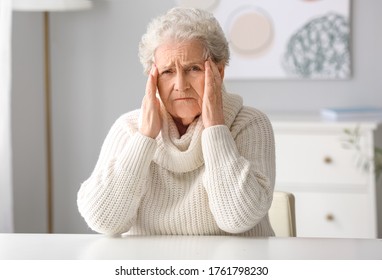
195,68
165,72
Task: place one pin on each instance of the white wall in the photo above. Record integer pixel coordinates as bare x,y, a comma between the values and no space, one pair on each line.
6,174
97,77
27,124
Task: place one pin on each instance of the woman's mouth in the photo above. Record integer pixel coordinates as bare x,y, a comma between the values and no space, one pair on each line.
183,99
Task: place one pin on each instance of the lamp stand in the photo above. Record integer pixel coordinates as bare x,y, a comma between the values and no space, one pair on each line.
48,124
45,6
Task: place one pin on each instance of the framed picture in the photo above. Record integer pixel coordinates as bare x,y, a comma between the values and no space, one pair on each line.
284,39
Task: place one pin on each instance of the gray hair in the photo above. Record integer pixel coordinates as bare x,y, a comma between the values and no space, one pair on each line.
181,24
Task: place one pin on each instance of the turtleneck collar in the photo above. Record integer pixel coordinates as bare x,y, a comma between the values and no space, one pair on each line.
184,154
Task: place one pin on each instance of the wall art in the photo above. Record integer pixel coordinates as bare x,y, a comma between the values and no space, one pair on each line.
284,39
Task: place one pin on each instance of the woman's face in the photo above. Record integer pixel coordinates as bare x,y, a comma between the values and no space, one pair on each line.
181,78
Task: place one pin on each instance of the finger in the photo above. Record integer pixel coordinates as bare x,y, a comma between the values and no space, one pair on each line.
151,85
209,75
215,70
213,80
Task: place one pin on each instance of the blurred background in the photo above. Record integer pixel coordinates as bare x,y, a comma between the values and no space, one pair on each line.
97,76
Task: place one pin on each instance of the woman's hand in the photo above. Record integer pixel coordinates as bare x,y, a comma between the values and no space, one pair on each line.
150,125
212,108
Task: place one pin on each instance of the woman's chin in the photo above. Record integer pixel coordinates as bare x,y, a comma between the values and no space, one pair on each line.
186,118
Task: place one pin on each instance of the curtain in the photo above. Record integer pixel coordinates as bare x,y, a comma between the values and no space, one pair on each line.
6,197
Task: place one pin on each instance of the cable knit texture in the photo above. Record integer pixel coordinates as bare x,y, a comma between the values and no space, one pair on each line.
211,181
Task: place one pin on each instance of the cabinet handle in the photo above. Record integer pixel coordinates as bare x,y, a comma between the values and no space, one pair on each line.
328,160
329,217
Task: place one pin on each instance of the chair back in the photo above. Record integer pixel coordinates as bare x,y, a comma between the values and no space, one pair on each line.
282,214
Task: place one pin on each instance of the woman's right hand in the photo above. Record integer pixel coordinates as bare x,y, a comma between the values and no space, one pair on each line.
150,125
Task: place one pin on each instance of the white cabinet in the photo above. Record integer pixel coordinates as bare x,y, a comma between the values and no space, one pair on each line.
336,194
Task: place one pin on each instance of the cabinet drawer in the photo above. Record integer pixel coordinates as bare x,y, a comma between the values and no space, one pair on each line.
316,159
334,215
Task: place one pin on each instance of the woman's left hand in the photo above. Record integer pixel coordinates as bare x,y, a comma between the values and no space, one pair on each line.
212,108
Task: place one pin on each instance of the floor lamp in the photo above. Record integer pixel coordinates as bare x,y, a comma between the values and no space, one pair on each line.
47,6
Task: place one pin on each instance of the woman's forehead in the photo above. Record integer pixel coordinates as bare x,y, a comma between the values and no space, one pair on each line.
185,52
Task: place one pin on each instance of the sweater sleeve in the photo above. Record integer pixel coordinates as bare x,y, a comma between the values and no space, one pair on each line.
240,173
109,199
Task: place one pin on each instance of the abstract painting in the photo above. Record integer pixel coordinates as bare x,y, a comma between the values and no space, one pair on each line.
284,39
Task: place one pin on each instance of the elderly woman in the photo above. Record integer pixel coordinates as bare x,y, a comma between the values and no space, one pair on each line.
193,160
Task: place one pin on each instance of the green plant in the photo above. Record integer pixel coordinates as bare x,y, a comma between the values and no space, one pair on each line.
352,141
378,161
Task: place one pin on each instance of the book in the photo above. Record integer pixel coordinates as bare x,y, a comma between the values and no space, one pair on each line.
352,112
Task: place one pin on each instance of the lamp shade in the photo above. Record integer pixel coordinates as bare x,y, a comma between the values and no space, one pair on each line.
50,5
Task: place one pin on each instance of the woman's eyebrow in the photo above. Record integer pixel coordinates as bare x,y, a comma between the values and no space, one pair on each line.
166,65
191,63
184,65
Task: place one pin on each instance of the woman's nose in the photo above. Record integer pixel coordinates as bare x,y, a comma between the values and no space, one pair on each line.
181,83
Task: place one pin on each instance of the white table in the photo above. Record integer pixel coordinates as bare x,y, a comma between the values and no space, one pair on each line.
95,246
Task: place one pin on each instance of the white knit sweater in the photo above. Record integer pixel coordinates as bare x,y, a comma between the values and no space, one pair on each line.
213,181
